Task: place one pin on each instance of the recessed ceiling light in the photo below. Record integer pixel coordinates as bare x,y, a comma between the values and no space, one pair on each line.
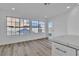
68,7
45,16
13,9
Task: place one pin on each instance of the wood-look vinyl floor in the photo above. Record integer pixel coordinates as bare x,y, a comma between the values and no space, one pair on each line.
40,47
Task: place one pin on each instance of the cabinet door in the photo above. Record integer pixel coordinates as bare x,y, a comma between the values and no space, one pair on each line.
63,50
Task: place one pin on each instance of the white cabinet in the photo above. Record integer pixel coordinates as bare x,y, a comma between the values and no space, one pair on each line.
62,50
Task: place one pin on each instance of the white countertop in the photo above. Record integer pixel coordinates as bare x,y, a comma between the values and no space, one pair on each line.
69,40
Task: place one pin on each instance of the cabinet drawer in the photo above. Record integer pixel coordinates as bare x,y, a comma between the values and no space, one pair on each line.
63,50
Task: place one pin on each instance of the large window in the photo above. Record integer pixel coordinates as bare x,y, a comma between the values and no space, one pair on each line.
21,26
17,26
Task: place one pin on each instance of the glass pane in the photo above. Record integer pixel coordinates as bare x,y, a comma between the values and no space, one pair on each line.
43,30
8,19
50,24
21,26
35,26
13,22
26,26
21,23
8,23
8,31
13,31
42,26
8,26
35,30
17,23
17,19
26,22
21,31
17,31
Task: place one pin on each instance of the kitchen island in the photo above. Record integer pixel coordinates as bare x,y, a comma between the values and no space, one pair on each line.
66,45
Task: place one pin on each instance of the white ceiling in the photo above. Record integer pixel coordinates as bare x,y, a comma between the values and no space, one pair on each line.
37,9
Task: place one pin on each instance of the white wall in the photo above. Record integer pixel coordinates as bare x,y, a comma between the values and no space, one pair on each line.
60,24
73,22
67,24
